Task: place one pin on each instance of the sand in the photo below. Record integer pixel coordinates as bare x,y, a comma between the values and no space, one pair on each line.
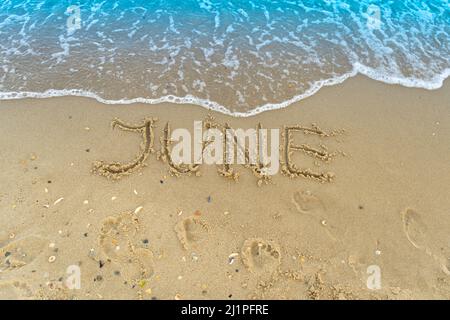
384,215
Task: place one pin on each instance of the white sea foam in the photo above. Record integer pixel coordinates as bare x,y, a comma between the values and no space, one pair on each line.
214,106
236,57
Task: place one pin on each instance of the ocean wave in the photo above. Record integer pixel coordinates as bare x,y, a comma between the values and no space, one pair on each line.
214,106
236,57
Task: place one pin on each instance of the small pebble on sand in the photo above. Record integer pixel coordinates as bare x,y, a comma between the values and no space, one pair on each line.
51,259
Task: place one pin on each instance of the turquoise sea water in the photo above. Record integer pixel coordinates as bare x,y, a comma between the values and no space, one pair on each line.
238,57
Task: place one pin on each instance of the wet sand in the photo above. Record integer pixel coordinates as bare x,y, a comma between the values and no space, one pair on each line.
152,235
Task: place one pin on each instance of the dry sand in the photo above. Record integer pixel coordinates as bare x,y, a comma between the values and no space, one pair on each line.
150,235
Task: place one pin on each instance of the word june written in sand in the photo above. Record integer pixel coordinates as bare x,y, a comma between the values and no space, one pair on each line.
218,144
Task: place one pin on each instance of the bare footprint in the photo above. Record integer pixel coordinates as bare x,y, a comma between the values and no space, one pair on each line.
118,241
15,290
191,231
416,232
415,229
116,235
20,253
137,265
307,203
313,207
261,256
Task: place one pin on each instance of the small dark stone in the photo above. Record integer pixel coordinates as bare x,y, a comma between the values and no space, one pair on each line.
49,181
209,199
145,241
237,270
160,181
98,278
86,234
154,298
88,150
230,295
117,273
101,264
361,207
7,254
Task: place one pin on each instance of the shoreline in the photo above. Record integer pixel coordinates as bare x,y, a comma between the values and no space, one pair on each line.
194,237
216,107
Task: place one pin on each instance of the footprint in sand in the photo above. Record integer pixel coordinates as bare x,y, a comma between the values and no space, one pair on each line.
312,206
191,231
116,234
19,253
118,241
307,203
415,229
416,232
261,256
15,290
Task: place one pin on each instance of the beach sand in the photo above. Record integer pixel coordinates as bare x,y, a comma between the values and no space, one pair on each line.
150,235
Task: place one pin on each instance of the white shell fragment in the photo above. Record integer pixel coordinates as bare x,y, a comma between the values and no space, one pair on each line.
232,257
138,209
58,201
